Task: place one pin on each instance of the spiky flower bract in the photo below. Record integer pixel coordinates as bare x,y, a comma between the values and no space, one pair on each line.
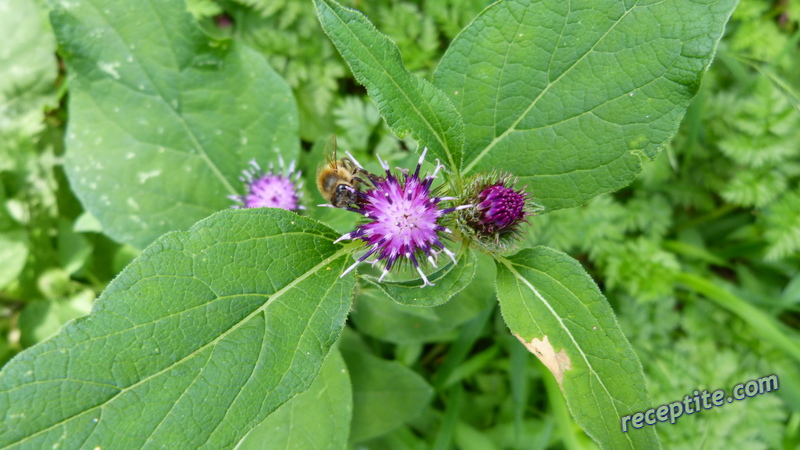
495,224
402,220
270,189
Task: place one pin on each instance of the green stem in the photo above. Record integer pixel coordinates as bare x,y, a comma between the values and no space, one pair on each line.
762,324
444,437
722,211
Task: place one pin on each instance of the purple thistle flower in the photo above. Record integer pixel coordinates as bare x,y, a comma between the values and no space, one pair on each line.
500,210
501,207
270,189
403,220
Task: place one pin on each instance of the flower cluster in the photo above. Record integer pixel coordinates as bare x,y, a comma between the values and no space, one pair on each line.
494,224
270,189
402,220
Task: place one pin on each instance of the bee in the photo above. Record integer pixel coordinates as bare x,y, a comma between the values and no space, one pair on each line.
338,180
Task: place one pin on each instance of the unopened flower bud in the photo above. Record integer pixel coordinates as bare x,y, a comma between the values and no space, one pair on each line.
500,211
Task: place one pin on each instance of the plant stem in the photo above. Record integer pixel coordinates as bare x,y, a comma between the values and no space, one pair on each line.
762,324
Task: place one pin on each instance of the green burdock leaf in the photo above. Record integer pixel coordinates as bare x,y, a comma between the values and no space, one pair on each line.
199,339
408,103
163,119
319,418
448,281
554,308
573,95
386,394
28,70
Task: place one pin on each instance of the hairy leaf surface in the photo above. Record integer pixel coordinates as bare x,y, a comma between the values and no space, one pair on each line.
194,343
572,95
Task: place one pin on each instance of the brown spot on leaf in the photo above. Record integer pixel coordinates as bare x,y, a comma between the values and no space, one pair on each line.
558,363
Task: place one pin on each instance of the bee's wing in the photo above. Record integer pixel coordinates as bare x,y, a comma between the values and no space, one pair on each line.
330,151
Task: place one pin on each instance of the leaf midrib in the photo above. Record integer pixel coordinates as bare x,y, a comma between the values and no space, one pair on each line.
510,266
255,366
260,309
444,145
217,297
546,89
187,129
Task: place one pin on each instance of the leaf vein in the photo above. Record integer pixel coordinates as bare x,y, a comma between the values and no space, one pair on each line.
277,294
546,89
510,266
436,133
182,120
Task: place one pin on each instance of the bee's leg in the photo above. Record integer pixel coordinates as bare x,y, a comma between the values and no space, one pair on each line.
359,196
372,177
360,169
354,195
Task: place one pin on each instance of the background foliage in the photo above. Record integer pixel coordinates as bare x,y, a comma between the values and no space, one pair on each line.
700,257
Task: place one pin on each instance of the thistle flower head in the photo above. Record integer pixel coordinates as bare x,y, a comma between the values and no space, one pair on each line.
495,222
402,220
501,207
270,189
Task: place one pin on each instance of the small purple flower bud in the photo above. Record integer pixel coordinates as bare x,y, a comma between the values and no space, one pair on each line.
270,189
500,210
402,220
501,207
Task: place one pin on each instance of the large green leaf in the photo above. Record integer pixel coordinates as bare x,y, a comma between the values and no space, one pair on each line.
163,119
194,343
554,308
572,95
408,103
28,69
318,418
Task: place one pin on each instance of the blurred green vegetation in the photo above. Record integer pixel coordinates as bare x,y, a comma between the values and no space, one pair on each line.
700,257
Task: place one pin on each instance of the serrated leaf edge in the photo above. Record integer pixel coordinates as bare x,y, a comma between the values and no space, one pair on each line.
419,83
